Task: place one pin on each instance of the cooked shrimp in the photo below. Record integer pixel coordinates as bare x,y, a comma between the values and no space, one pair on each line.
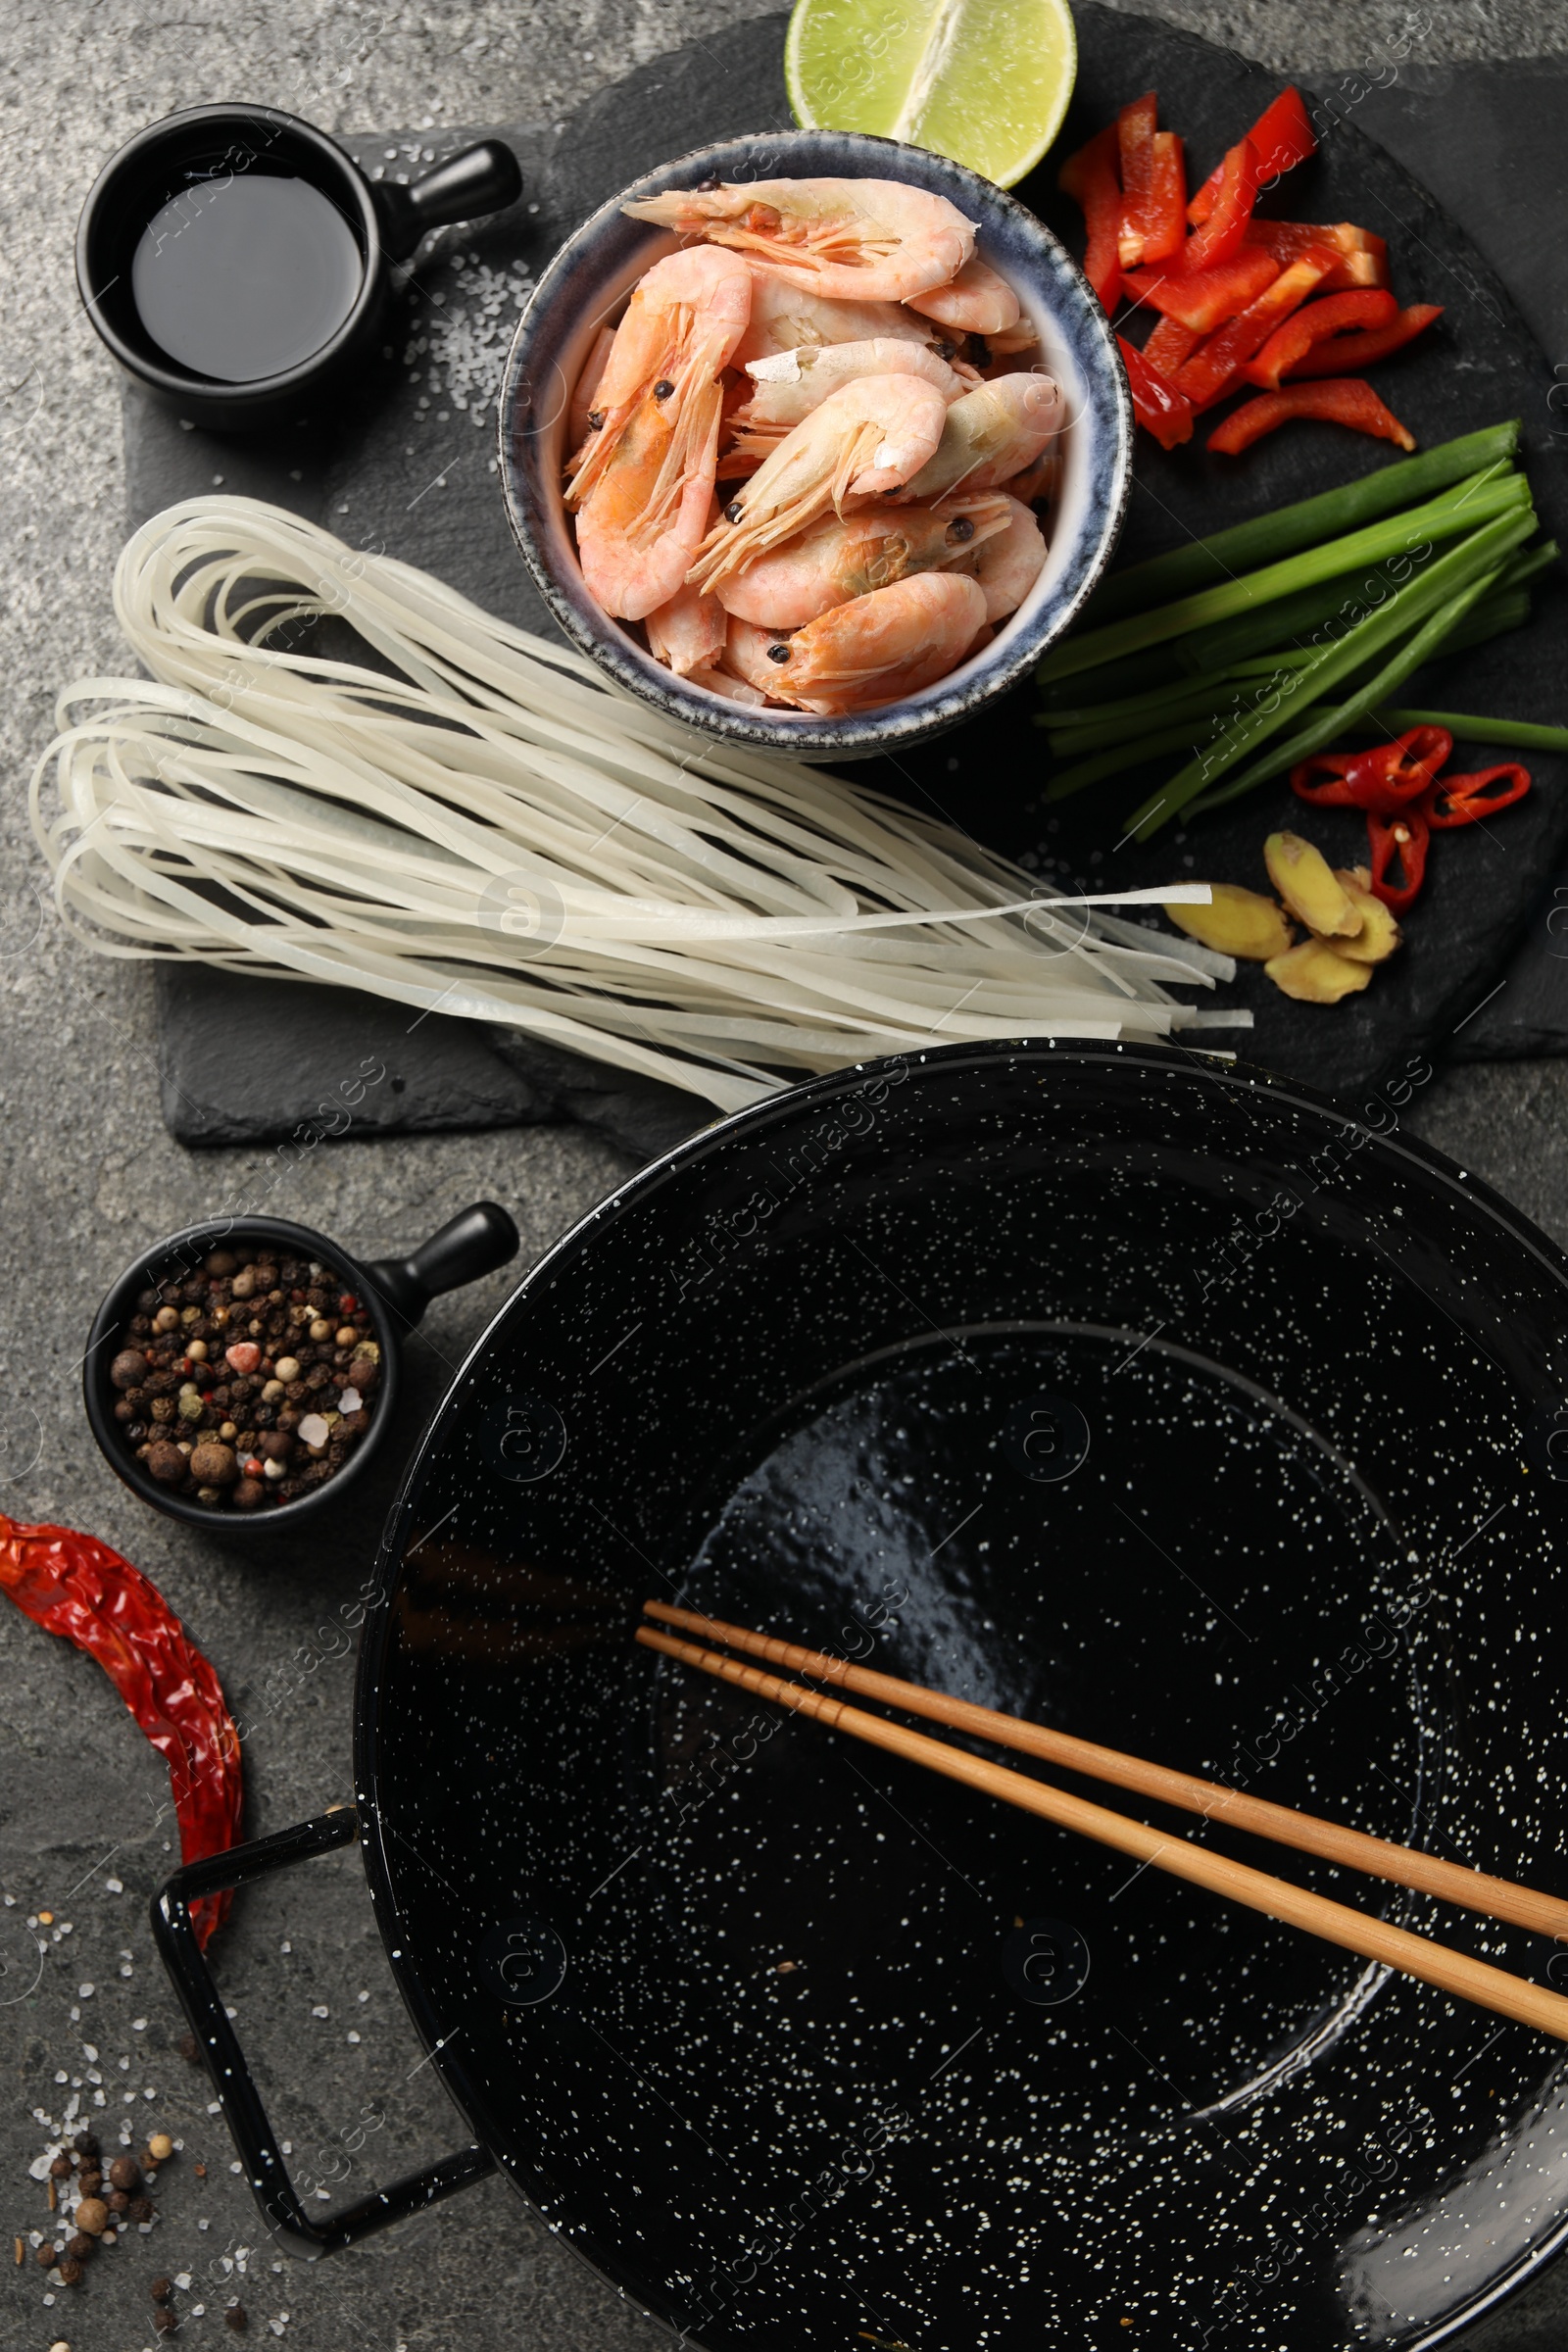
685,316
718,680
977,302
587,386
867,438
642,522
992,433
853,239
834,561
872,650
1008,561
783,319
687,634
792,383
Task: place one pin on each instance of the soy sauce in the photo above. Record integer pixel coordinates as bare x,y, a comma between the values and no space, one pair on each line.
246,276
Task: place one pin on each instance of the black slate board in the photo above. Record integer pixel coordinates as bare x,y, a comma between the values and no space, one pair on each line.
422,485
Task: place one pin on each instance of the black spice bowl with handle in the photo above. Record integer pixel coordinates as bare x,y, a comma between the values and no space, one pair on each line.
396,1290
1120,1389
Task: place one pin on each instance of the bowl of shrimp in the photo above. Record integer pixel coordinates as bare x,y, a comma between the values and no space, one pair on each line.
815,441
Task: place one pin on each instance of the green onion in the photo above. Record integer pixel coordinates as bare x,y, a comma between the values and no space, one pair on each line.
1441,520
1122,755
1292,617
1138,715
1308,523
1474,557
1514,734
1324,725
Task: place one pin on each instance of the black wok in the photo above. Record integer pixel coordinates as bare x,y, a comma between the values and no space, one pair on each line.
1118,1386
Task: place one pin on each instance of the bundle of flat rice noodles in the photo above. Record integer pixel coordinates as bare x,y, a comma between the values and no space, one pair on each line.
482,826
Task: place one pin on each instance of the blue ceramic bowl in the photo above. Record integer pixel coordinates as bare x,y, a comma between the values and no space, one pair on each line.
588,283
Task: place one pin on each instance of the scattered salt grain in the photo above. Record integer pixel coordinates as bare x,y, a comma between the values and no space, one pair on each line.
115,1886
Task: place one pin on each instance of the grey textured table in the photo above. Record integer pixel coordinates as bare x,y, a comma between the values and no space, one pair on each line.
89,1172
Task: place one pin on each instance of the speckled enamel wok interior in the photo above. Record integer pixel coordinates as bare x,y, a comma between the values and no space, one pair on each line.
1119,1388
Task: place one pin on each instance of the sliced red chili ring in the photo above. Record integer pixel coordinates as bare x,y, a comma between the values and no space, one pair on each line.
1465,800
1397,842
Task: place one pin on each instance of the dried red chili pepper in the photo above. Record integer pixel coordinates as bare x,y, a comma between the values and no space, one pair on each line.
1465,800
1398,841
1386,779
74,1585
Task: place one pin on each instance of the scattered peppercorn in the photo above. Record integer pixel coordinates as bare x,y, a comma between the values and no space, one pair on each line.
92,2215
86,2144
59,2168
161,2289
164,2319
160,2148
69,2271
215,1364
124,2173
235,2316
79,2247
141,2209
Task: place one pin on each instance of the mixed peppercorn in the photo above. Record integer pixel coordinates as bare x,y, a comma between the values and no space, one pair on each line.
247,1382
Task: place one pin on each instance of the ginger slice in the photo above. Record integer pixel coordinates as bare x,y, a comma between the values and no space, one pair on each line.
1237,922
1306,883
1316,974
1379,934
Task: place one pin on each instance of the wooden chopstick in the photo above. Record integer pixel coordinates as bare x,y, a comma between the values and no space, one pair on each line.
1331,1840
1373,1939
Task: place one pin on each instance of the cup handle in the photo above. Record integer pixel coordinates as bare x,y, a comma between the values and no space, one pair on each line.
485,178
476,1241
285,2215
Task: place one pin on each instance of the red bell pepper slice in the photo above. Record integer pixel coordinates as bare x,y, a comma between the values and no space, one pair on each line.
1090,179
1170,346
1283,137
1384,779
1466,800
1397,843
1157,405
1352,353
1222,232
1135,148
1363,257
1340,400
1203,299
1212,371
1367,306
1166,209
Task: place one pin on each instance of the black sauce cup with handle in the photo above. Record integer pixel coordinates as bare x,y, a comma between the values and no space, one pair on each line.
250,214
395,1290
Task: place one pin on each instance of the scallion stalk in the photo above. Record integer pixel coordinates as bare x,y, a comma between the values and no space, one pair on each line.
1325,724
1377,542
1308,523
1141,715
1476,556
1513,734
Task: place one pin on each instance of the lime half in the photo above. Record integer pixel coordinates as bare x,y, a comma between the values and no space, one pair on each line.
986,81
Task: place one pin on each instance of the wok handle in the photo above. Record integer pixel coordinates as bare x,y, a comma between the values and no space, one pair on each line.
286,2217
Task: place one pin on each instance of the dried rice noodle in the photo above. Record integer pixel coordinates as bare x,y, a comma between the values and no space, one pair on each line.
491,831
